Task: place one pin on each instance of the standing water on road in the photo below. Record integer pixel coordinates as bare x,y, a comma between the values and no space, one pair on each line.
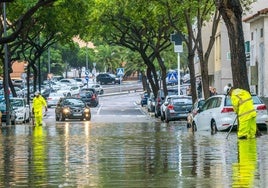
86,154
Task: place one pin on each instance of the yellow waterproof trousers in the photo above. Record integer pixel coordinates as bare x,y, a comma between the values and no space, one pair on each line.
247,128
38,117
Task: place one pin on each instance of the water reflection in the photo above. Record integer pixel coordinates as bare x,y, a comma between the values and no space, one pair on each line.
86,154
38,157
245,169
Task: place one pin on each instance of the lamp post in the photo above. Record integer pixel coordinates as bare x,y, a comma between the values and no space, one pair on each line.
86,58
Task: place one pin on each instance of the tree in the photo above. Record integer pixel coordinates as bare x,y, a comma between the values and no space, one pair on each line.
232,11
144,29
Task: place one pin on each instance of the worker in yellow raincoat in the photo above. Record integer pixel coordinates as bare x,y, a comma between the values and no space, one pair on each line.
246,114
244,171
38,103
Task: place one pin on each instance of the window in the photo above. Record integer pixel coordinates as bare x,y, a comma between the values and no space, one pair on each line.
252,35
261,33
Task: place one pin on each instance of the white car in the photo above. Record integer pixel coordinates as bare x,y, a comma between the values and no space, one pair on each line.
21,108
217,114
53,99
70,91
97,87
68,82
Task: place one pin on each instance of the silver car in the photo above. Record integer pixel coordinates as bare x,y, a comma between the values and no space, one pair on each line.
176,107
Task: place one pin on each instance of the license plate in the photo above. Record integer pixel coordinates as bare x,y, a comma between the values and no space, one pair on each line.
76,114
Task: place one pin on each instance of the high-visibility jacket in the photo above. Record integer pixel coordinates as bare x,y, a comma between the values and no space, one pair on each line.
243,104
38,104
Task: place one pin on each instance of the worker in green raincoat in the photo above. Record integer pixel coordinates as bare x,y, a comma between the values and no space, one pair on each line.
38,103
246,114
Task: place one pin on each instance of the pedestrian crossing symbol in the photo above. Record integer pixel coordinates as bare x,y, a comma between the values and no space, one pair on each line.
120,71
172,77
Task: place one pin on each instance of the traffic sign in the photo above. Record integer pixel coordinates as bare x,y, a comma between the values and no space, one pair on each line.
173,77
86,73
176,38
120,71
86,78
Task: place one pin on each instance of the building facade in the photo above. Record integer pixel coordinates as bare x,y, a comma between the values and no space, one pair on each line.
255,27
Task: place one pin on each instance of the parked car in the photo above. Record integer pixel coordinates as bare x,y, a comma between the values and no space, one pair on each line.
176,107
151,103
89,96
161,97
12,113
144,98
68,82
72,108
22,109
80,81
196,106
217,114
106,78
70,90
97,87
53,98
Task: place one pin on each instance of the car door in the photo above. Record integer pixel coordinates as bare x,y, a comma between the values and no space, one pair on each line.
202,119
27,109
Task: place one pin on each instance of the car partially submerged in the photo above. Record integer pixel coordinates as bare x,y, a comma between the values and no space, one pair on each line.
217,114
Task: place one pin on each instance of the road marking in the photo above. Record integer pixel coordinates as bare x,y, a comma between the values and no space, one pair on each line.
99,109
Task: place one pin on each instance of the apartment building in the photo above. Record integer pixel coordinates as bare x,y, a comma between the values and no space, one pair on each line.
258,51
255,27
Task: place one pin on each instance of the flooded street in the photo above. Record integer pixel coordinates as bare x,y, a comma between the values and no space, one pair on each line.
123,146
128,155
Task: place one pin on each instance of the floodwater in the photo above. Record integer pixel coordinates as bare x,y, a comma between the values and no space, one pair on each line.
118,155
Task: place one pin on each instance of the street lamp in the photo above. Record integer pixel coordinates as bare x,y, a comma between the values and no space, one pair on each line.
86,57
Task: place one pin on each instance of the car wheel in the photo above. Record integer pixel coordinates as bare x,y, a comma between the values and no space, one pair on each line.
162,117
166,119
62,118
13,122
24,119
213,127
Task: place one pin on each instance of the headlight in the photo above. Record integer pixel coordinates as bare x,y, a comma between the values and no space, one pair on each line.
66,110
87,110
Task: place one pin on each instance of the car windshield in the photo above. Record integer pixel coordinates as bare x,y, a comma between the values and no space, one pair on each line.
179,101
16,102
86,94
73,102
112,75
173,92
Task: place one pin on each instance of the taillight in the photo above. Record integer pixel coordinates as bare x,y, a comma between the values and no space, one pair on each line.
170,107
227,109
93,96
48,98
261,107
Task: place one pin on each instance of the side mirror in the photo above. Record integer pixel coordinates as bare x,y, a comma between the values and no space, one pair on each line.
165,103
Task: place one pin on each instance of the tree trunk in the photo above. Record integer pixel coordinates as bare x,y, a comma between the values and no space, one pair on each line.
231,12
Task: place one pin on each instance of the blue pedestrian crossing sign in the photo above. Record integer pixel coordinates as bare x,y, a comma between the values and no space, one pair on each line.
172,77
120,71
